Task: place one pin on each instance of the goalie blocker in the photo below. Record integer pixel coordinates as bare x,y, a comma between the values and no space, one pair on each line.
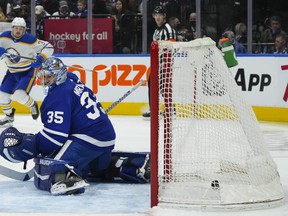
58,177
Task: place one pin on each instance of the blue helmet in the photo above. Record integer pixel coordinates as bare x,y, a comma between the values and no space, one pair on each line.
53,66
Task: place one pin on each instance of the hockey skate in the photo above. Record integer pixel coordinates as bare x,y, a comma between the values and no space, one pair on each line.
8,120
71,185
34,111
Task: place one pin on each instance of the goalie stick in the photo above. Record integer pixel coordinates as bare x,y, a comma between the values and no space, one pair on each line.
25,176
16,175
124,96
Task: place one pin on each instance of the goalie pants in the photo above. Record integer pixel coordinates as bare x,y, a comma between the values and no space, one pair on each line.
79,156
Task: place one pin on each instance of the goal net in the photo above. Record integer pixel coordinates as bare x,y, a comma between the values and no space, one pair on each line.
206,144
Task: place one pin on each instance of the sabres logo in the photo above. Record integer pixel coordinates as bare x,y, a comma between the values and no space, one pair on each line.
13,55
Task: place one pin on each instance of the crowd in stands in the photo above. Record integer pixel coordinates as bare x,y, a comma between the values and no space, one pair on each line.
119,10
269,37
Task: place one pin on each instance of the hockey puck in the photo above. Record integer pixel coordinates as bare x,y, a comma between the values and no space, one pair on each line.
215,184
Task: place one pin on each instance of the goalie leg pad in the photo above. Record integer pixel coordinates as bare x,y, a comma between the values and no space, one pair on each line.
132,167
48,171
136,169
16,146
57,177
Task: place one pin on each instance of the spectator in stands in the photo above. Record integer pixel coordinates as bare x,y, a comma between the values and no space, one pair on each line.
3,5
240,37
192,25
10,16
122,26
25,14
118,11
174,22
81,9
63,10
40,11
13,5
281,44
16,8
184,33
2,15
269,35
50,6
192,21
109,5
40,14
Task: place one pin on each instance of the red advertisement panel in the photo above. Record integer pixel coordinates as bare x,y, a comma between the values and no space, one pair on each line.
71,35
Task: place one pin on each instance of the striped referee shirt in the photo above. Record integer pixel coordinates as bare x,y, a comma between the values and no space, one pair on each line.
164,32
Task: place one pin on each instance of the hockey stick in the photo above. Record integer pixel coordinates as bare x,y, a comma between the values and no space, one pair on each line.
124,96
25,176
13,56
16,175
33,59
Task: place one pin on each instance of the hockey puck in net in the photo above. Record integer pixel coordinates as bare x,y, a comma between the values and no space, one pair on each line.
215,184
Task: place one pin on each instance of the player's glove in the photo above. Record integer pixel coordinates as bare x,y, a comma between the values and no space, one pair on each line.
10,137
16,146
38,62
2,51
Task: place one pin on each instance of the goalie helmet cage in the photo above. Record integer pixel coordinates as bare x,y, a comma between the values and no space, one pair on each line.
207,149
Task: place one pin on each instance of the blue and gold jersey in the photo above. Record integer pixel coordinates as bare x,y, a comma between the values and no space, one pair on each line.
28,45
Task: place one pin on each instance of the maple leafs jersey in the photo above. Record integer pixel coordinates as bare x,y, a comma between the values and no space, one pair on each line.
71,111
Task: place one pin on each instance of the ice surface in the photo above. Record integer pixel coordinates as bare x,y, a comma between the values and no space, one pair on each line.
133,134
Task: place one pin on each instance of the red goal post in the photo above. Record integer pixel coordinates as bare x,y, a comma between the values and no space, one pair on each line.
207,148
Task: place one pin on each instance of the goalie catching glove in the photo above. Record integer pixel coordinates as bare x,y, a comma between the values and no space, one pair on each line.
16,146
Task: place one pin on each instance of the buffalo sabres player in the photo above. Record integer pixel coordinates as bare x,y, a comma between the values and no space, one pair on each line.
76,141
21,72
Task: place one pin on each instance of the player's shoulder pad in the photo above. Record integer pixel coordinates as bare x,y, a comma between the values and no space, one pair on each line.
73,77
28,38
7,34
44,44
66,88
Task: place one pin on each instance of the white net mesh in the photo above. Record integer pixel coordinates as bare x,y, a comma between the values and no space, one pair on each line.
210,147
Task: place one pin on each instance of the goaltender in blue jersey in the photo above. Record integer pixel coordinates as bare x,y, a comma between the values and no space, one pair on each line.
76,141
21,73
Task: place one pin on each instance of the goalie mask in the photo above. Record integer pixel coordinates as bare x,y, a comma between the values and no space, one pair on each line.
53,71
